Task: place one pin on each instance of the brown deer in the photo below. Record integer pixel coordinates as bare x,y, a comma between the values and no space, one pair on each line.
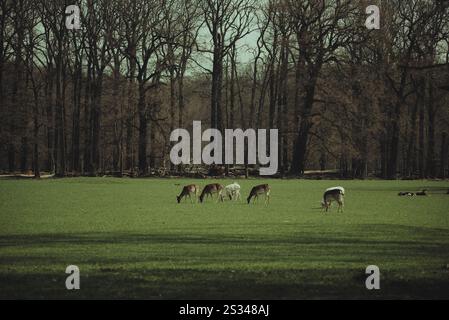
263,189
187,191
212,189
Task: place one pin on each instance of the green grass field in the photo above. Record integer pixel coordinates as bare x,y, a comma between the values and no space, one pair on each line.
131,239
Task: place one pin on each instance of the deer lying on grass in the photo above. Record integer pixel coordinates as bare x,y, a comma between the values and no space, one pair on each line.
233,191
187,191
334,194
422,193
406,194
212,189
263,189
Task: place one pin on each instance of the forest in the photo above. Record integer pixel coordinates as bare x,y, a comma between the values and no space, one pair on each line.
104,98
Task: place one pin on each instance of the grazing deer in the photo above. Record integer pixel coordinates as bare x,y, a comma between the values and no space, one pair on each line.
187,191
212,189
233,191
334,194
263,189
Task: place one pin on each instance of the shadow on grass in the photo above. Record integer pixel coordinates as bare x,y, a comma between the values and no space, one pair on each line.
299,265
373,234
185,284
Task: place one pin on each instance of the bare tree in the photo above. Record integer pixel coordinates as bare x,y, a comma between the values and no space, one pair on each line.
181,28
53,22
5,40
34,68
143,41
227,21
97,47
321,29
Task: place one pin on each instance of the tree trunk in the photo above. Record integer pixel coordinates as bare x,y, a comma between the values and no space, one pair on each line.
444,156
431,165
87,127
95,123
394,150
282,105
118,129
130,120
143,126
51,125
24,155
383,142
181,101
181,105
262,96
2,50
77,89
59,121
421,153
217,78
411,150
273,95
172,110
36,165
305,125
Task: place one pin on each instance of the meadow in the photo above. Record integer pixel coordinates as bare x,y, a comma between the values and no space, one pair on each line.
132,240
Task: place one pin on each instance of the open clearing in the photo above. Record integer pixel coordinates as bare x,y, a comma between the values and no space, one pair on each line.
131,239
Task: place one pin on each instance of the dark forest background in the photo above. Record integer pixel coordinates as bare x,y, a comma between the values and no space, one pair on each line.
104,99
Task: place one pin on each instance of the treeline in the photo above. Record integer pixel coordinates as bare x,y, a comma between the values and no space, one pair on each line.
104,99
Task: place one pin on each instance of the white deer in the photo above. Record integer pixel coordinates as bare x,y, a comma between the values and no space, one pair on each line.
334,194
233,191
